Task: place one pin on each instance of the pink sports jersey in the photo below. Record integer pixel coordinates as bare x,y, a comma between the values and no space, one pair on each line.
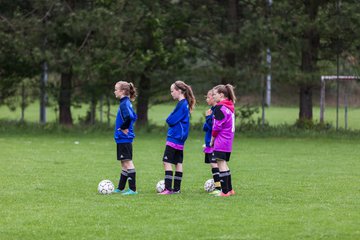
224,126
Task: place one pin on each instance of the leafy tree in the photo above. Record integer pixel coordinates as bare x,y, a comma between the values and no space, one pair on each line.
17,61
150,47
310,34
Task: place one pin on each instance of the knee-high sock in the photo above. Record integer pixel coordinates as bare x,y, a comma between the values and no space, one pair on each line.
132,179
215,173
177,181
229,181
123,179
168,179
224,180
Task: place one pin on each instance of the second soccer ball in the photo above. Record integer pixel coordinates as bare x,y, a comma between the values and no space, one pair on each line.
160,186
209,185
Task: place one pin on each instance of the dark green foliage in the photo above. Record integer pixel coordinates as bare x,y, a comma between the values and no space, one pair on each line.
152,43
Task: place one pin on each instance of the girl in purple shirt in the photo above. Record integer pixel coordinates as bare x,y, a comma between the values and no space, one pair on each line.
223,134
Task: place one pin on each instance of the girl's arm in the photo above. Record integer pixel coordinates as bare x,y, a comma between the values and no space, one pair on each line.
176,115
125,115
208,123
218,121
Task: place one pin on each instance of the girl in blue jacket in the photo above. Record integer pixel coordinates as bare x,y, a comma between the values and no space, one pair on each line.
208,150
124,136
179,123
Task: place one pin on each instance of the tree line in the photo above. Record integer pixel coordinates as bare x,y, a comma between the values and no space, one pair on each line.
81,48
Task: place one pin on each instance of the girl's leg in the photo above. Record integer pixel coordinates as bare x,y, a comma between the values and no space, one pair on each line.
123,177
178,177
224,176
129,165
168,175
215,174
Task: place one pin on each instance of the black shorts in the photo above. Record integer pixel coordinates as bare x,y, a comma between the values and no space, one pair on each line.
218,156
172,155
124,151
208,158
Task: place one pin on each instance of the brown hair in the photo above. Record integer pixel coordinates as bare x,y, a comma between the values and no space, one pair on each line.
187,91
128,88
227,90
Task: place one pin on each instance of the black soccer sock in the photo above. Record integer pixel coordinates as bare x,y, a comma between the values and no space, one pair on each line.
229,181
224,181
122,180
177,181
215,173
132,179
168,179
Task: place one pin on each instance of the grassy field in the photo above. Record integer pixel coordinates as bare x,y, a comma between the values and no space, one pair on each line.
158,113
287,188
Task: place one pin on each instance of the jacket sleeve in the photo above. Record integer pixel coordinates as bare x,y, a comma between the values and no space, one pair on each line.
208,123
125,115
218,121
176,115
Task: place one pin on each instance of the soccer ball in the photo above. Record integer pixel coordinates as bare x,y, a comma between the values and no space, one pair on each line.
209,185
105,187
160,186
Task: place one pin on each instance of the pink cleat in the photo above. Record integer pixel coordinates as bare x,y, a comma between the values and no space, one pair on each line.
166,192
232,192
221,194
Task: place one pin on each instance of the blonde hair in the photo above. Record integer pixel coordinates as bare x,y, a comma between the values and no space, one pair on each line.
128,88
187,91
227,90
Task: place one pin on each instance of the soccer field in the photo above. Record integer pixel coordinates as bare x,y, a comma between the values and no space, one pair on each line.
286,188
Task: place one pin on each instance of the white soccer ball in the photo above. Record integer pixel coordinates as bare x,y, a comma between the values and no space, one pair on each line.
160,186
106,187
209,185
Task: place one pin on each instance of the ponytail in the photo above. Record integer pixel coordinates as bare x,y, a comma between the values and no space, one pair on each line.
188,93
231,93
132,91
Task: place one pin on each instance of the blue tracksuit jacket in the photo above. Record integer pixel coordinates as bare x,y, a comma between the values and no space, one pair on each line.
179,123
125,119
207,128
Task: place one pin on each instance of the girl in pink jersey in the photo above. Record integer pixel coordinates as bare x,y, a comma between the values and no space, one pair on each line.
223,134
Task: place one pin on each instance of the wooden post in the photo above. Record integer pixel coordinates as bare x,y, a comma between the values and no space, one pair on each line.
346,110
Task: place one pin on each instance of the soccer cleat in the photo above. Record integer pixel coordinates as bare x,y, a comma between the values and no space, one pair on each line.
129,192
166,192
176,192
215,192
119,191
232,192
221,194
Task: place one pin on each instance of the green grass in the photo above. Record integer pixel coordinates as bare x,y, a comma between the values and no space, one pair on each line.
158,114
287,188
288,115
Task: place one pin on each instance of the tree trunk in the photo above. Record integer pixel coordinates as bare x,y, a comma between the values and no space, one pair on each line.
231,28
309,56
93,110
108,110
23,103
65,98
305,103
143,100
